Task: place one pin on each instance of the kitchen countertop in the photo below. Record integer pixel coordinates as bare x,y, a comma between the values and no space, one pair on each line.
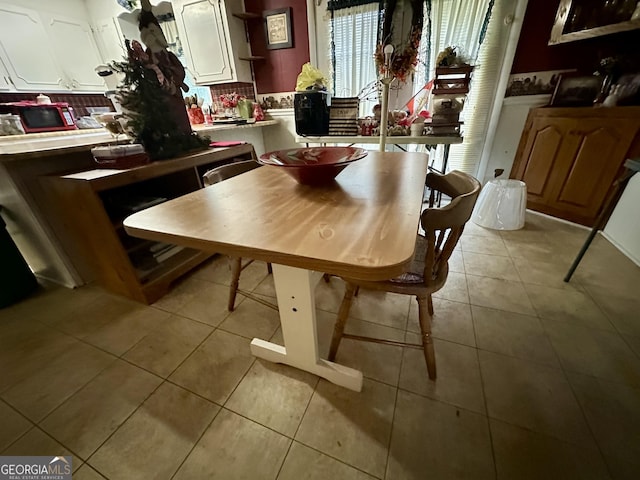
15,147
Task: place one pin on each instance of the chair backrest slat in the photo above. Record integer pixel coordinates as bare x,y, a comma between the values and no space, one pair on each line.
444,226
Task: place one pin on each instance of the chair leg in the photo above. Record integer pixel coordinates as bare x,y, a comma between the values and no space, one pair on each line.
269,269
427,340
236,268
326,277
341,321
430,305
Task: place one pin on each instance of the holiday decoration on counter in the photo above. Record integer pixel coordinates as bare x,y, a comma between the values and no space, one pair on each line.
151,94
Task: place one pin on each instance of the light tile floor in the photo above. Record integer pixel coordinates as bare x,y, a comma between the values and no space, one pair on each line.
537,378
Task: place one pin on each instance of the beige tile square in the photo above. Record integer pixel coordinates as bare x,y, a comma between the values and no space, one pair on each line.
353,427
124,332
215,368
458,382
623,312
473,229
526,455
376,361
266,287
41,392
252,319
167,346
532,396
433,440
155,440
216,270
87,419
451,321
53,304
566,305
493,266
456,262
37,443
455,289
329,294
207,303
181,293
513,334
533,251
550,274
87,473
14,425
613,413
273,395
499,294
389,309
492,245
234,447
633,342
304,462
594,352
102,311
34,349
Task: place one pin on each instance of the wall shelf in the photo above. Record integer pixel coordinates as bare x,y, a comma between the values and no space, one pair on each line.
246,15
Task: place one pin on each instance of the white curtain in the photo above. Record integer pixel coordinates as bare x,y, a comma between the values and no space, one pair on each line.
459,23
354,32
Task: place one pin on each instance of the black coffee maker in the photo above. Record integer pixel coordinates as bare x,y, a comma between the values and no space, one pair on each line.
312,112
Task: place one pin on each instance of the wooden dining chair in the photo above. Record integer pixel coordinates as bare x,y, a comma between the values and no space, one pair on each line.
428,272
212,177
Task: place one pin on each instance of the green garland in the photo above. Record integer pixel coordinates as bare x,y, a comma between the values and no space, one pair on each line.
148,113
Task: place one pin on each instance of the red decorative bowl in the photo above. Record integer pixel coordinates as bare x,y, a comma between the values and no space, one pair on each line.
315,165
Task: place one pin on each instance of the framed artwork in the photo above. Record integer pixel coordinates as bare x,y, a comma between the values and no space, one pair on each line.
277,27
576,91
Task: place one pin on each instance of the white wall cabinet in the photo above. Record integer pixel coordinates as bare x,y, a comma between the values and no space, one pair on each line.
77,53
213,40
26,51
109,39
5,81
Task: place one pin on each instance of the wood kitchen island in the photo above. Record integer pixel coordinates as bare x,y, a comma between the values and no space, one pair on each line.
31,208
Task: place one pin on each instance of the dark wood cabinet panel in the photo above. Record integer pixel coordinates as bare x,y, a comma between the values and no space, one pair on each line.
569,158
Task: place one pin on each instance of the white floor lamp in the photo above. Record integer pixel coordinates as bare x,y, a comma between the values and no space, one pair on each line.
386,79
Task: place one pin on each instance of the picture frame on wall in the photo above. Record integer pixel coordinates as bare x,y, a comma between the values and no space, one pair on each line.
576,90
277,27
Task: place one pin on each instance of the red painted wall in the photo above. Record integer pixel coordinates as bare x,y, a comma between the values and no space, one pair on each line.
280,69
533,54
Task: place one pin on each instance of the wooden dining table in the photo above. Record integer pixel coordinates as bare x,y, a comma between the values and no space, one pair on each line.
363,225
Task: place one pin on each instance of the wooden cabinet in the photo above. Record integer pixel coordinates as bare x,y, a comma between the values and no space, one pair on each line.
47,52
26,51
90,207
5,81
213,40
570,157
76,52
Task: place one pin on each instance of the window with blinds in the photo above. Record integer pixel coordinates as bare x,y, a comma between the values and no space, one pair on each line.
354,32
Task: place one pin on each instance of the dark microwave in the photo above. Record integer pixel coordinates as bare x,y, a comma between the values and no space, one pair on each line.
42,117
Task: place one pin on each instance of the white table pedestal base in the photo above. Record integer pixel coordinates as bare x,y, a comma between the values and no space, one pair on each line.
296,303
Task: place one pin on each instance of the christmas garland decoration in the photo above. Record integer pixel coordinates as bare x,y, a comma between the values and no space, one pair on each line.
405,57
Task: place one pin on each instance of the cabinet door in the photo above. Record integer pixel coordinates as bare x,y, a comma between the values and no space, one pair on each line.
540,154
205,41
596,149
5,81
110,40
26,50
77,52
